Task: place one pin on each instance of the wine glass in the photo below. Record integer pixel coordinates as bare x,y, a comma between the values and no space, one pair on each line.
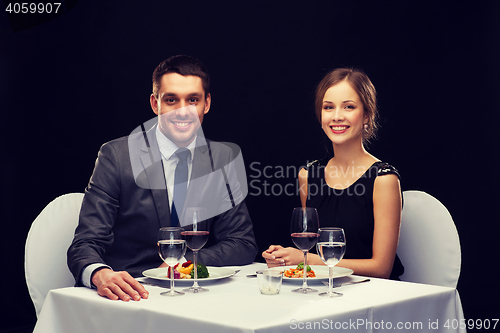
171,248
331,249
304,229
196,231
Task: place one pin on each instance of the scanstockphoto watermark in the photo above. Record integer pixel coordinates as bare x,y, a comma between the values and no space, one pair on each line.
357,324
429,326
277,180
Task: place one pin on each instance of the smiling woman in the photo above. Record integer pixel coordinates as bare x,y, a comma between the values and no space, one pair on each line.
363,89
342,116
366,203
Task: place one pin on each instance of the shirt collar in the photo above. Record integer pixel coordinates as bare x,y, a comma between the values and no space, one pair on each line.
168,148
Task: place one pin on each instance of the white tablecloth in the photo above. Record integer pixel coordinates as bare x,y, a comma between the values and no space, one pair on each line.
235,305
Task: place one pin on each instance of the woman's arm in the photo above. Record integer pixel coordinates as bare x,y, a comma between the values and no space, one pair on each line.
387,214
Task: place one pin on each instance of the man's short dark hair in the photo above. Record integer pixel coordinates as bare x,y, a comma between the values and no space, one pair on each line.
183,65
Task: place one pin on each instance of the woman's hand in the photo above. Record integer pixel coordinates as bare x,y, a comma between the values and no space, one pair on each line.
277,255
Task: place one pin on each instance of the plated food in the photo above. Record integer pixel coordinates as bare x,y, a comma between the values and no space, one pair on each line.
186,271
215,273
321,272
298,272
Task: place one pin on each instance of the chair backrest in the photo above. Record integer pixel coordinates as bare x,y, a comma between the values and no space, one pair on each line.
429,247
48,240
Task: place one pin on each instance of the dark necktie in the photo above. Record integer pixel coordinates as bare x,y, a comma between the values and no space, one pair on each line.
180,185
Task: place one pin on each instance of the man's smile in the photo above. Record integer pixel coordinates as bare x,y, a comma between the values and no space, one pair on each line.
181,124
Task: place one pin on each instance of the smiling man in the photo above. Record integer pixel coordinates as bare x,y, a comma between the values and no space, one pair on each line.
134,190
181,101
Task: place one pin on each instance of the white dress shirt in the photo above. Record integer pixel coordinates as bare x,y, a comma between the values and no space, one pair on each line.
170,160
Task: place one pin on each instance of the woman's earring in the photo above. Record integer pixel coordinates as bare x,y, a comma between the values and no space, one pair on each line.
366,127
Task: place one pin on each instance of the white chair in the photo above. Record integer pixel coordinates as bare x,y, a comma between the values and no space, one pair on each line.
48,240
429,247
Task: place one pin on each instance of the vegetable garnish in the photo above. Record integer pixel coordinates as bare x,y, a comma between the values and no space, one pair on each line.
186,271
299,271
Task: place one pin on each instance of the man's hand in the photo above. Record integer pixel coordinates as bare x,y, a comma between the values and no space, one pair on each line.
118,285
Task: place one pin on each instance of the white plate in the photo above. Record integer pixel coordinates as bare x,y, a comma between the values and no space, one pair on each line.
321,273
215,273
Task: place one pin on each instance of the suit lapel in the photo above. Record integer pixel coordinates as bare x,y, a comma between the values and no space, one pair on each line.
156,177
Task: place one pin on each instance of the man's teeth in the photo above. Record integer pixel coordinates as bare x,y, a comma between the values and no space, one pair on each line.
182,124
339,128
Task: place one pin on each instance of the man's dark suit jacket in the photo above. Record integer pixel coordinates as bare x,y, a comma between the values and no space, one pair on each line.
121,213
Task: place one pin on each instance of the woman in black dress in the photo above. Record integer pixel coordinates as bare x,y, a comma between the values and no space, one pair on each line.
353,190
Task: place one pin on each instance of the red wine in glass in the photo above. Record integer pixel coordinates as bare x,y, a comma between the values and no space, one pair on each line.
196,232
304,231
195,239
304,240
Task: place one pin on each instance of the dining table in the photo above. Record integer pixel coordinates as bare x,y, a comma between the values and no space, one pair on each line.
235,304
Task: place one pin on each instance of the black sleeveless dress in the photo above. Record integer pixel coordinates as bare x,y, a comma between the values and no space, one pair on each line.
350,208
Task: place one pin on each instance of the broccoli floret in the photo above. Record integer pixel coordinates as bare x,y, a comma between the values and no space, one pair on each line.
202,272
300,266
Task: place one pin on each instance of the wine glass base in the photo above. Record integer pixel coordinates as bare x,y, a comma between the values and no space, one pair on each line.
172,293
195,290
333,294
305,290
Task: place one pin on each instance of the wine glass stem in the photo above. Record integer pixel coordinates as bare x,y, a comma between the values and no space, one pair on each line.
304,283
330,280
195,284
171,279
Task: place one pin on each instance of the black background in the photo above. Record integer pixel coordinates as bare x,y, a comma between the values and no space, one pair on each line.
84,77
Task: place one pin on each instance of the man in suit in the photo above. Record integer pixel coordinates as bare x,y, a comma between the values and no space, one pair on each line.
131,193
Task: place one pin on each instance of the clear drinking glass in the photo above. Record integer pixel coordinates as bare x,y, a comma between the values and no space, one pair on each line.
331,249
304,231
171,247
270,281
196,232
